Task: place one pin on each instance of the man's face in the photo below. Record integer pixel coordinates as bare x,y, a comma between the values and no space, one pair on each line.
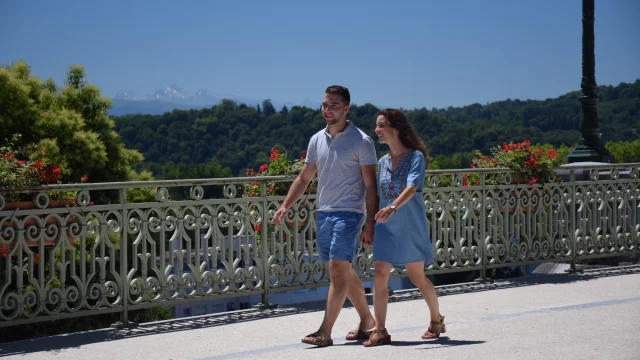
333,108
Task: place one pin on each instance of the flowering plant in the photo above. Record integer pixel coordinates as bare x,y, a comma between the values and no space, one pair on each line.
528,165
20,171
278,165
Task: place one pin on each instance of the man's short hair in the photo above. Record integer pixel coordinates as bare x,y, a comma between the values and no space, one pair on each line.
342,91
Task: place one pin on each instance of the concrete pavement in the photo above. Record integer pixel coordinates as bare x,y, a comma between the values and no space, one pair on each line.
594,315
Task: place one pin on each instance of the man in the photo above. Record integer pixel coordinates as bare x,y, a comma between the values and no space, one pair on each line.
345,160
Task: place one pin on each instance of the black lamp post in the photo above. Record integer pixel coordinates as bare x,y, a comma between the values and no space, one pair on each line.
590,147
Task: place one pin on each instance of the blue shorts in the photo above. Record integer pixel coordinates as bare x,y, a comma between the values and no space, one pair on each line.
337,234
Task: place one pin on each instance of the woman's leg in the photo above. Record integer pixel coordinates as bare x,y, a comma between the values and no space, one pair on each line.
420,280
381,292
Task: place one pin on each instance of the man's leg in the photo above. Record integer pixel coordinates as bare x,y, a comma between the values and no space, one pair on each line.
355,293
336,296
355,289
341,245
337,270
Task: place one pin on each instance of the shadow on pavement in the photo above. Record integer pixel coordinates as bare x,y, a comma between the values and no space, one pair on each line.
441,342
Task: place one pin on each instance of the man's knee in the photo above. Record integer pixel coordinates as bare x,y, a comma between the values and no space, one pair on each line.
338,269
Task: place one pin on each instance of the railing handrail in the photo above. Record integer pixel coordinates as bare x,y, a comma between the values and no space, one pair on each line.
263,179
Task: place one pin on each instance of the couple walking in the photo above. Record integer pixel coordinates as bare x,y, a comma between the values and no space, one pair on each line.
395,223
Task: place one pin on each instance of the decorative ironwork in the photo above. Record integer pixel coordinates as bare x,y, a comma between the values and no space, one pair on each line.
60,260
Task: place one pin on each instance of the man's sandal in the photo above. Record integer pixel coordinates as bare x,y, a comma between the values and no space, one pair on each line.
317,340
358,335
378,338
435,329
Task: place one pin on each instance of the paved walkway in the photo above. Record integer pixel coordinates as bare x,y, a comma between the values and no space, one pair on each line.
595,315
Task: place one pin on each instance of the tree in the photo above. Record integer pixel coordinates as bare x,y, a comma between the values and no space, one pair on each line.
267,108
625,152
284,112
69,124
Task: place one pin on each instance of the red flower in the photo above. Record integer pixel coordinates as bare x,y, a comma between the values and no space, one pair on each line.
531,162
552,153
249,172
84,178
263,168
274,154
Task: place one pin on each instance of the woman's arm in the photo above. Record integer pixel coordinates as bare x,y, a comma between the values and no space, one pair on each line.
414,178
387,211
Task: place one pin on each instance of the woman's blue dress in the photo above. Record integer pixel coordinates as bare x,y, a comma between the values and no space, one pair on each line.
404,237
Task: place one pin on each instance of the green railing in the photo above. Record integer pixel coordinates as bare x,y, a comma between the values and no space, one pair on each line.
101,254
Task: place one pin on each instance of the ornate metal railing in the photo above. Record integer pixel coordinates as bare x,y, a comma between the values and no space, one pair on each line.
102,253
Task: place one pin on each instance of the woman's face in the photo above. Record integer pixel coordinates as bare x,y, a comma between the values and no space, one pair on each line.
384,131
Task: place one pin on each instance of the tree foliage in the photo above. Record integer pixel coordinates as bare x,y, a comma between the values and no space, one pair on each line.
70,124
239,137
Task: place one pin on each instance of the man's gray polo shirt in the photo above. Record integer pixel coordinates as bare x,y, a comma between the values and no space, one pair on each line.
340,183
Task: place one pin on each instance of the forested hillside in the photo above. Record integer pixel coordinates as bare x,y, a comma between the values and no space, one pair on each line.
238,136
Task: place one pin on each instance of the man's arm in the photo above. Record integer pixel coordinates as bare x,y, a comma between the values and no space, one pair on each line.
296,190
371,197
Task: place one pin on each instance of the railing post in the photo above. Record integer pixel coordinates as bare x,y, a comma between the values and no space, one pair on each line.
573,208
264,256
124,268
483,232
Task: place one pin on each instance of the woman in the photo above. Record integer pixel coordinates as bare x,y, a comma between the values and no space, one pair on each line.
401,236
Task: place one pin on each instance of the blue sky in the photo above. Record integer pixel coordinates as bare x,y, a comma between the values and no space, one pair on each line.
410,54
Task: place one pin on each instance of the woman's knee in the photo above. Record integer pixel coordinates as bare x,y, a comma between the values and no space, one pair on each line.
381,268
417,277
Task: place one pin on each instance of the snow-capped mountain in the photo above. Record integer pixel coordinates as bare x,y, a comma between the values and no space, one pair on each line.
172,94
173,97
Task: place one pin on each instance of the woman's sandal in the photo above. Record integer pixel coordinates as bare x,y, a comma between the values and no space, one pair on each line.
378,338
435,329
317,340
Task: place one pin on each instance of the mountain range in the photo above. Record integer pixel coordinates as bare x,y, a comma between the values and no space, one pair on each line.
173,97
